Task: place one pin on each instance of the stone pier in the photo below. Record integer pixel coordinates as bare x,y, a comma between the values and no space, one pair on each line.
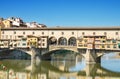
91,57
35,57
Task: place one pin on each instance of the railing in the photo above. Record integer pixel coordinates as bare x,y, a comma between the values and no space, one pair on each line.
51,47
62,46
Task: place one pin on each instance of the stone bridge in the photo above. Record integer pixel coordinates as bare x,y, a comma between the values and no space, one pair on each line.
90,55
63,47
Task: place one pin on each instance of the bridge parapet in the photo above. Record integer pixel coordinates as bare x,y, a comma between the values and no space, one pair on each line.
63,47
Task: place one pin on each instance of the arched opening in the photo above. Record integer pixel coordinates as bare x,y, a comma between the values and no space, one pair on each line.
52,41
14,54
62,41
72,41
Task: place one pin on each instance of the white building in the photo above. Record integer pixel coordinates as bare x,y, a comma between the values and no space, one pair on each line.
15,21
35,25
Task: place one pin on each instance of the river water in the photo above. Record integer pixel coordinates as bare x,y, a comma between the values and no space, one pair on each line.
61,66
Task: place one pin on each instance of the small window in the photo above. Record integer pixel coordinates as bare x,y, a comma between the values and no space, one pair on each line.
23,32
93,33
52,33
24,44
42,33
103,46
23,39
108,41
80,40
14,32
28,43
116,33
39,44
108,46
33,32
83,33
39,39
72,33
114,46
62,33
113,41
85,40
103,41
105,33
3,32
43,39
43,44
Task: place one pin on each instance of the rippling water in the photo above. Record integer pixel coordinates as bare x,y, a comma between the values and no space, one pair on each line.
62,66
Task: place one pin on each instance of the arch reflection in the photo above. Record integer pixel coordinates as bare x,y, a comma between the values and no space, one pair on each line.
59,67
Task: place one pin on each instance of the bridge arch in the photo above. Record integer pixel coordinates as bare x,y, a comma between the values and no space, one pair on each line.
62,41
29,52
15,54
101,54
73,50
72,41
52,40
48,54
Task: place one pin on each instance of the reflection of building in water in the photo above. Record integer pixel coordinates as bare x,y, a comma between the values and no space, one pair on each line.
14,75
39,76
3,75
53,74
56,71
65,62
21,75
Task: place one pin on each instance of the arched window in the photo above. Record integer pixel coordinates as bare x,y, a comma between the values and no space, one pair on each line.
62,41
52,41
72,41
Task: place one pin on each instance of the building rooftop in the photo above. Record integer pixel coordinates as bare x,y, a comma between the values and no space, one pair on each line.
63,28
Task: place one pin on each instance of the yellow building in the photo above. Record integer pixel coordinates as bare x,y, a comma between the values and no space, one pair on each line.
7,23
1,26
32,41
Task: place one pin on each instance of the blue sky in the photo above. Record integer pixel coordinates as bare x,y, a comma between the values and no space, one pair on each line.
69,13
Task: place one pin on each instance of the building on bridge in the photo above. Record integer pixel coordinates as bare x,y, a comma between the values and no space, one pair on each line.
97,42
20,37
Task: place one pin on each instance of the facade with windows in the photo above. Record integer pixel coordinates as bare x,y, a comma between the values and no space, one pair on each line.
32,41
98,42
61,36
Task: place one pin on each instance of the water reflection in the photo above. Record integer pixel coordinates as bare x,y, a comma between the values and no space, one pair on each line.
62,66
111,62
68,62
